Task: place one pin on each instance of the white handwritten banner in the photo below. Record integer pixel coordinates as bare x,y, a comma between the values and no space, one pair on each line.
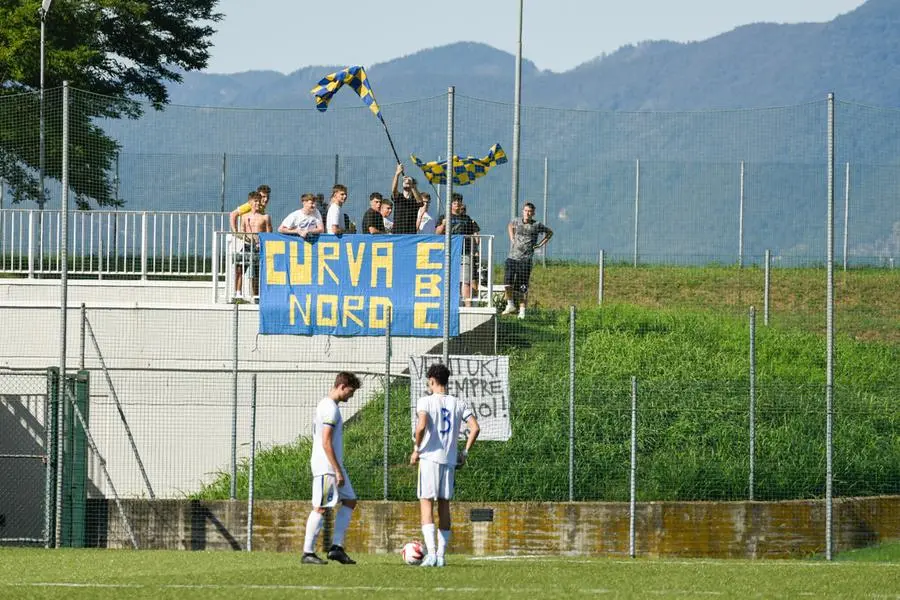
483,381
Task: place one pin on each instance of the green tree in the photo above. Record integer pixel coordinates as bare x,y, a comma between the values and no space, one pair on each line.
118,54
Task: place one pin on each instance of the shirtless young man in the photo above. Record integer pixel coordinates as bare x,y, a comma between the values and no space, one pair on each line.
252,223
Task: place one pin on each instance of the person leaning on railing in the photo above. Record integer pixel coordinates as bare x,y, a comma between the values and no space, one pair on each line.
372,221
462,224
237,247
387,208
236,243
252,224
264,192
425,223
336,221
304,221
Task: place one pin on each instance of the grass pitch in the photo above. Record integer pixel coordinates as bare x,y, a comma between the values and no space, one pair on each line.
108,574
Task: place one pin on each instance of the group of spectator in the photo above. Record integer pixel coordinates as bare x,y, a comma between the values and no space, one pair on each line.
405,212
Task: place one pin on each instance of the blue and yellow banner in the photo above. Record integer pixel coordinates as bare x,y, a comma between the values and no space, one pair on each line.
344,285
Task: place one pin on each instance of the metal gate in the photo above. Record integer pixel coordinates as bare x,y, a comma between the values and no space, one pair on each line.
24,474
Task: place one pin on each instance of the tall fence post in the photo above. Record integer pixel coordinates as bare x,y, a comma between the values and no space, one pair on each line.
251,476
337,168
637,206
829,335
571,403
632,480
83,336
451,107
63,302
387,400
234,400
766,287
752,401
144,246
601,274
116,180
222,186
846,212
215,267
517,127
496,332
546,200
50,464
31,244
741,221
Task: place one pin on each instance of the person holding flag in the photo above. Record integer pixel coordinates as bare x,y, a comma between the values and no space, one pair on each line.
407,202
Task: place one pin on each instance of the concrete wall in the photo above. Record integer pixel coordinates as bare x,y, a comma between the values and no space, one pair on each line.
170,355
792,529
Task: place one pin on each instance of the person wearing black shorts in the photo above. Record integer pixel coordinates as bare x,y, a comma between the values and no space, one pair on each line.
523,233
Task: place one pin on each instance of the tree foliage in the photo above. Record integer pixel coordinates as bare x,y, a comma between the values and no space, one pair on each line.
119,54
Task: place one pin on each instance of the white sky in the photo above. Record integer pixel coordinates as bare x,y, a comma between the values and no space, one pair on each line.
285,35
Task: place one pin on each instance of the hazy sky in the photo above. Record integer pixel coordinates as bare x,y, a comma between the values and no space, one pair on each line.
284,35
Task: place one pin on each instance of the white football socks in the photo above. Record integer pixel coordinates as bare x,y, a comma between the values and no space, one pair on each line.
313,527
428,534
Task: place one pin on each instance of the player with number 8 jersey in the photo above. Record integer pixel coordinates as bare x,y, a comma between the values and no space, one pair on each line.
439,419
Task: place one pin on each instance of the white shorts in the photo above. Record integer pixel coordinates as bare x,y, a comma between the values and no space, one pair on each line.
465,272
435,481
326,493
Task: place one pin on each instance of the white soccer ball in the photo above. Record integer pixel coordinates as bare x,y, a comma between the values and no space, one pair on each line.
413,553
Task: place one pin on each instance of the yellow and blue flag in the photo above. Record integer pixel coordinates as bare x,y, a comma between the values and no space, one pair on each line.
356,78
465,170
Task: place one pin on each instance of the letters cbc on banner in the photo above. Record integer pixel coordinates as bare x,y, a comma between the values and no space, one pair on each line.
344,285
483,381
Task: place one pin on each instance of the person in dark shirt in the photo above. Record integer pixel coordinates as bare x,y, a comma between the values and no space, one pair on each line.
407,202
462,224
372,221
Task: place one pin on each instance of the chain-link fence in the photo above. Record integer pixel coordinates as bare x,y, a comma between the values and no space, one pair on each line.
657,188
714,412
668,227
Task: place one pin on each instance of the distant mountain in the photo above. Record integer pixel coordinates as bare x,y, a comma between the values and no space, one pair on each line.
660,122
856,55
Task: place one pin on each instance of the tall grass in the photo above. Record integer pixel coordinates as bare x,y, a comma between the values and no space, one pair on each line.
691,364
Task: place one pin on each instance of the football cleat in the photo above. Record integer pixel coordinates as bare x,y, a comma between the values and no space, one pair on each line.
439,562
337,553
430,560
310,558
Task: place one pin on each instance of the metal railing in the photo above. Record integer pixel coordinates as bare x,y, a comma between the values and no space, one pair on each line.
117,243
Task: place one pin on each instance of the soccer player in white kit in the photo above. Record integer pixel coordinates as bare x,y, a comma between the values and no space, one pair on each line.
331,483
439,417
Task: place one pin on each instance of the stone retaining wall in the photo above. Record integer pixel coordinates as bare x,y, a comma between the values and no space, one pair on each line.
791,529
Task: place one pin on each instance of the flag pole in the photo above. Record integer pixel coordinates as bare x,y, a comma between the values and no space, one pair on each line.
396,157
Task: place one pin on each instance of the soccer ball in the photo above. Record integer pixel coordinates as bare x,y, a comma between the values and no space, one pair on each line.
413,553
